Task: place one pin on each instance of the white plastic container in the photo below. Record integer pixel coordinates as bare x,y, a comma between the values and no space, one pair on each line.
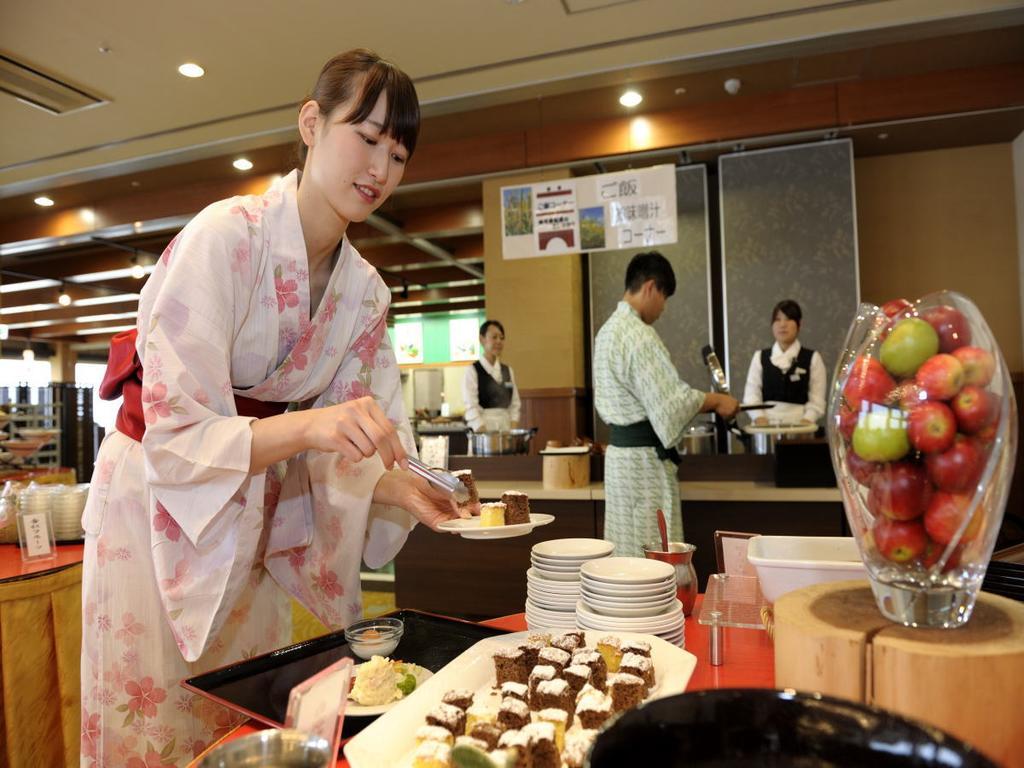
785,563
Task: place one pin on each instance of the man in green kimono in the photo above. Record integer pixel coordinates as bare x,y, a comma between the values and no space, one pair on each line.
639,394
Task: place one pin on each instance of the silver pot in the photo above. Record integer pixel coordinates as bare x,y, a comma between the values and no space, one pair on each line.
698,440
277,748
500,443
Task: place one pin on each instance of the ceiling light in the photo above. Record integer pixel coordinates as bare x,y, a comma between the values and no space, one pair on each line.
732,85
138,271
680,91
883,136
64,299
44,201
28,355
630,99
190,69
243,164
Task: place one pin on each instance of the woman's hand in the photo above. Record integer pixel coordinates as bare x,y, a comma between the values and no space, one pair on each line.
417,497
356,429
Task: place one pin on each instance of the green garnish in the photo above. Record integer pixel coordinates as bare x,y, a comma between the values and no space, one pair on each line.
407,684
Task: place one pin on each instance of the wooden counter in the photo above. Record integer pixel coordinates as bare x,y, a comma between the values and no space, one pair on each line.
689,490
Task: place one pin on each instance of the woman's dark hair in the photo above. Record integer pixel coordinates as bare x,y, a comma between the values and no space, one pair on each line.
488,323
650,266
790,309
369,72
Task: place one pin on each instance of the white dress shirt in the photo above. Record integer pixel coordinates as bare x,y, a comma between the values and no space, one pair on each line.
787,413
475,415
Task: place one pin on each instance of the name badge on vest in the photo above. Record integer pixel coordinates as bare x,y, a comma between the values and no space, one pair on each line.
796,376
508,385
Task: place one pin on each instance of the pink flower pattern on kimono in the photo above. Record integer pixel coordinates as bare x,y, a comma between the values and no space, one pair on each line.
287,293
144,696
174,586
369,340
165,257
156,398
251,210
90,733
240,259
327,582
152,759
356,389
164,523
130,629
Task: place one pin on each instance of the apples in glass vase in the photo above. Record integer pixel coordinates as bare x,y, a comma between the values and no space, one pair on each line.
923,432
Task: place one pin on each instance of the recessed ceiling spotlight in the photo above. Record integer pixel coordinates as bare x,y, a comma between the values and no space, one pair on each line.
680,91
243,164
732,85
44,201
65,298
630,99
883,136
138,272
191,69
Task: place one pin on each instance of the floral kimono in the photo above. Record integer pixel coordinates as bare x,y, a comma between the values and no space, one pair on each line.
190,559
634,380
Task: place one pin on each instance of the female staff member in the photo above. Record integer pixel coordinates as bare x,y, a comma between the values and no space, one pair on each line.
489,388
788,374
202,519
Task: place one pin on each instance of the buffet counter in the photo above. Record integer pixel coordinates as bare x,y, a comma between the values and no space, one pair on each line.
40,646
689,490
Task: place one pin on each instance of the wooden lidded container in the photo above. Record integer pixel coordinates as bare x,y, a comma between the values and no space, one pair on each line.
565,468
831,638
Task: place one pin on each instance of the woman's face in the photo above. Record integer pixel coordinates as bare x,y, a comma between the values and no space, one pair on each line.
355,166
493,341
784,330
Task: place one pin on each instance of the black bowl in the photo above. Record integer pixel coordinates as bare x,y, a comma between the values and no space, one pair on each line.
760,727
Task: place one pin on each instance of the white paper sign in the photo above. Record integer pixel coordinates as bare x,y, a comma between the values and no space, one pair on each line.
37,534
317,705
626,209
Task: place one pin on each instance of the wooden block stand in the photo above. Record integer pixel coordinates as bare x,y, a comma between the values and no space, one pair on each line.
831,639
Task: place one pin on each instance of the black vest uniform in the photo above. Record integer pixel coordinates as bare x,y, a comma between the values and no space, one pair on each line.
786,386
492,394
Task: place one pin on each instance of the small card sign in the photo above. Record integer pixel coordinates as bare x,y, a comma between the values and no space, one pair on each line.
35,536
731,553
317,705
434,451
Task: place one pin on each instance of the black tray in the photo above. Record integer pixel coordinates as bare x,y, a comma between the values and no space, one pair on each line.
259,687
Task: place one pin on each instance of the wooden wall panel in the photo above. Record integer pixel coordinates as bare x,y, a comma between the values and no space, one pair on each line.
561,414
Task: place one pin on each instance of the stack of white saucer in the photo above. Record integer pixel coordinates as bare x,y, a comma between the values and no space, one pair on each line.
63,503
553,581
630,594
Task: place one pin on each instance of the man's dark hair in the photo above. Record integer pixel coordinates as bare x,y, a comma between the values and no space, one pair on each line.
790,309
650,266
488,323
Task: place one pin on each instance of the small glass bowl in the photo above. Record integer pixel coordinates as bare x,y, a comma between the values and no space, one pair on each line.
374,637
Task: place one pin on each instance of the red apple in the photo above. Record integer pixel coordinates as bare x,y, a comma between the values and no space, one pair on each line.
847,423
987,435
951,326
899,541
931,427
979,365
908,395
868,382
975,408
893,307
899,491
860,469
933,551
941,376
959,468
945,514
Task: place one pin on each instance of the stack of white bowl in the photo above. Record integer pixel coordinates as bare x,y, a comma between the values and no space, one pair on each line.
553,580
64,503
630,594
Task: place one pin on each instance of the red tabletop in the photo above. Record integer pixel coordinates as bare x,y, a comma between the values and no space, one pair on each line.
749,662
12,568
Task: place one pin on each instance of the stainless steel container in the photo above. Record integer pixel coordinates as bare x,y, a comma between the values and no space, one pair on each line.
698,440
272,748
501,443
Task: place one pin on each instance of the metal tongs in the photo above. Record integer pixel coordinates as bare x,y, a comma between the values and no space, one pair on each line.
440,479
721,384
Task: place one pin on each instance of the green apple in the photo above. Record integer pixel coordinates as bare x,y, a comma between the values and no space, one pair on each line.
881,435
910,343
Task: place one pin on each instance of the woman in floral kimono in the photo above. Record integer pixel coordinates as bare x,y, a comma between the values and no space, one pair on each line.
203,520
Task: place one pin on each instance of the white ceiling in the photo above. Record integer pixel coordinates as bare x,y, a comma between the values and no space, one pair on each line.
261,56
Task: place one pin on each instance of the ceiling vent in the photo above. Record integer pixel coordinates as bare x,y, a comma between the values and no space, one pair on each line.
38,90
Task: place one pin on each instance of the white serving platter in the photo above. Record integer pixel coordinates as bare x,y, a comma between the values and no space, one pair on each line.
389,741
471,529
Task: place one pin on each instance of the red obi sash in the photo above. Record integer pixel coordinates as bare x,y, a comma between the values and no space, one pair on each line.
124,378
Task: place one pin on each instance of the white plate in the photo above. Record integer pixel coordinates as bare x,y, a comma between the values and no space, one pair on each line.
617,592
605,628
624,612
558,566
422,674
543,589
389,741
628,570
664,622
654,597
559,576
470,529
573,549
550,613
780,429
551,605
534,577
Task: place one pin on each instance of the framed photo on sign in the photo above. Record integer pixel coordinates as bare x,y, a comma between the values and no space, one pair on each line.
731,553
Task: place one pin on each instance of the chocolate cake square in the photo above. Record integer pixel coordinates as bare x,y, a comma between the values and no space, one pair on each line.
517,507
513,714
448,717
510,666
627,691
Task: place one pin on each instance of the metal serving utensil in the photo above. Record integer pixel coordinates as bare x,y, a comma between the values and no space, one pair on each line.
440,479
